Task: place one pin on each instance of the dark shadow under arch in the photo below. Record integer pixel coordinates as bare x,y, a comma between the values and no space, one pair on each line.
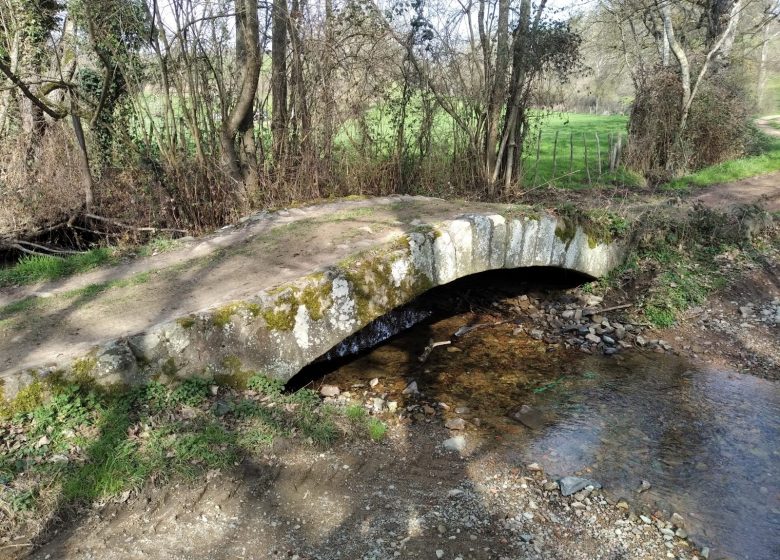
482,289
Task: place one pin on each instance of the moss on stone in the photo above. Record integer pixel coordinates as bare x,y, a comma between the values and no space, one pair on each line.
224,314
186,322
233,374
83,368
169,368
566,230
314,296
27,398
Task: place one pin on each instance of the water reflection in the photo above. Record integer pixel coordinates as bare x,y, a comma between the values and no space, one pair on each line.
707,441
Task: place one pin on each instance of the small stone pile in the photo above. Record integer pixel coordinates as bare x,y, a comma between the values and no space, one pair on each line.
767,313
581,324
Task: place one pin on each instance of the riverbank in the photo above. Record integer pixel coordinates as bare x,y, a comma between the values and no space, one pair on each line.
438,475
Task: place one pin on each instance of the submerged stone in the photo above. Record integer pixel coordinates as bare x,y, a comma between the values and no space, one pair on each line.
572,484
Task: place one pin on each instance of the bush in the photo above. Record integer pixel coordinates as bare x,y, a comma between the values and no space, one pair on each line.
718,127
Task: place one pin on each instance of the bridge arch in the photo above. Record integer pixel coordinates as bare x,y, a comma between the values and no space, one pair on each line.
280,331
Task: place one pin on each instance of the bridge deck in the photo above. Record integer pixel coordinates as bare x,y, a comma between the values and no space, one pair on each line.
53,322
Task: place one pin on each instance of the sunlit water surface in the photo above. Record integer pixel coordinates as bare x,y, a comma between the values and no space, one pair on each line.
706,440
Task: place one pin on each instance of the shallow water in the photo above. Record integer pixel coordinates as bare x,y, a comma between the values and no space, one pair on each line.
706,440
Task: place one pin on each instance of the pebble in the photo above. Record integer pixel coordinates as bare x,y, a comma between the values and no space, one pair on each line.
330,391
572,484
439,553
455,424
457,443
412,389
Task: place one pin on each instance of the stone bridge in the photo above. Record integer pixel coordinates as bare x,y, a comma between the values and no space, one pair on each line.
275,292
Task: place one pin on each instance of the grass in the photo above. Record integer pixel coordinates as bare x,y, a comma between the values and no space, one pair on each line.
768,161
84,445
681,260
39,268
576,133
43,268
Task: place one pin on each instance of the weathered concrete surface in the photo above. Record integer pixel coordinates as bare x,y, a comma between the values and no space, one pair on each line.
280,318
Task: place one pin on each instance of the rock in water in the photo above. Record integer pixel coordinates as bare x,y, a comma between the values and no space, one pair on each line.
572,484
528,416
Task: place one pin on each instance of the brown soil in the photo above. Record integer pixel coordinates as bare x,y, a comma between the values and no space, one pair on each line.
405,498
764,189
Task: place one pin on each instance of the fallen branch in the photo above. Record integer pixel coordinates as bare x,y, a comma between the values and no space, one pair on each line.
128,226
588,312
464,330
45,248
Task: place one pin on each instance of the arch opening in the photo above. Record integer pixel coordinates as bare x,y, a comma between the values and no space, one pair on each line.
483,290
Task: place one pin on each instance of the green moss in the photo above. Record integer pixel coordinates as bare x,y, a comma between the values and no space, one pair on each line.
186,322
566,230
169,368
233,375
281,316
315,297
28,398
83,368
223,315
5,406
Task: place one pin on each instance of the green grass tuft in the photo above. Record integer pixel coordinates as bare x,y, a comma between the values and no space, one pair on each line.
768,161
39,268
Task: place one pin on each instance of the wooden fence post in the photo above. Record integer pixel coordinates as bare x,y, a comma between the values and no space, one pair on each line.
598,150
571,154
585,145
538,147
555,155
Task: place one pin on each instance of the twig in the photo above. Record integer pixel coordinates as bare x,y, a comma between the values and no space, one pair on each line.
464,330
45,248
430,347
128,226
597,311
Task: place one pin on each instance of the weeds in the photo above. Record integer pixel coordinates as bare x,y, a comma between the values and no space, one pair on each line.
675,265
84,444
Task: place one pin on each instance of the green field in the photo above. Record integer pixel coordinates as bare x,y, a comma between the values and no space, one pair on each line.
579,159
582,154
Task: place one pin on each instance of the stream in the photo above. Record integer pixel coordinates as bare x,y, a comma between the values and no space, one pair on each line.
707,441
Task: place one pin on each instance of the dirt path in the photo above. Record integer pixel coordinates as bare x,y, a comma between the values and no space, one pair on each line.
764,124
406,498
764,189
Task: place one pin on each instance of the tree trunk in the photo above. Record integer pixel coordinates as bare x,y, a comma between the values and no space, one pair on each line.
496,84
279,79
329,100
241,117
